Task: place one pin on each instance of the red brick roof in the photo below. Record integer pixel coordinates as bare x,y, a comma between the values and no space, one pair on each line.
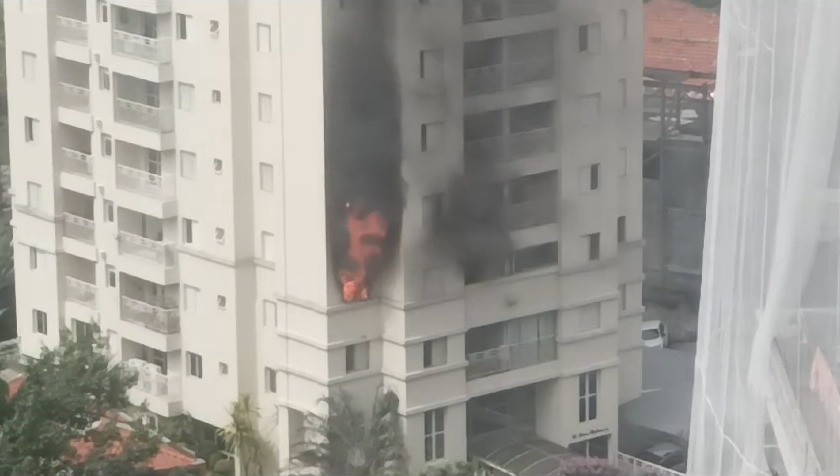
680,37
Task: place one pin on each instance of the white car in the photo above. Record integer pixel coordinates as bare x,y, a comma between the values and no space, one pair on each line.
654,334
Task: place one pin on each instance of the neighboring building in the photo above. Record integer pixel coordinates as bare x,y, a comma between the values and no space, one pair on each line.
172,163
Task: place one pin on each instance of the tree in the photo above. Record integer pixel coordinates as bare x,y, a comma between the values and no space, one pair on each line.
242,437
341,444
445,468
66,391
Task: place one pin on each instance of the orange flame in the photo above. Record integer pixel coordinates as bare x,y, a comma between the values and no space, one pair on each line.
367,236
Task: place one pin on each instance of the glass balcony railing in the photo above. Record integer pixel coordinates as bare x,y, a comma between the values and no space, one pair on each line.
165,320
155,50
514,146
81,292
496,77
74,97
476,11
78,228
71,30
510,357
145,248
146,183
529,214
143,115
76,162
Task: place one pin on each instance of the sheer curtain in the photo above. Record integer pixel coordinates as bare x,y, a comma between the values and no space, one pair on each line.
765,397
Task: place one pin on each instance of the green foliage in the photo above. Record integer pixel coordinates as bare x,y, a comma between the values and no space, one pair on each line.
341,444
445,468
66,391
242,436
581,466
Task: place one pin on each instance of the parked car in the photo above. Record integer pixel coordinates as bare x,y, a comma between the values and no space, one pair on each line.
666,454
654,334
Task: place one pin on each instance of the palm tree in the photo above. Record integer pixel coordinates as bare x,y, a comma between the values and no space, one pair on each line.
341,444
242,437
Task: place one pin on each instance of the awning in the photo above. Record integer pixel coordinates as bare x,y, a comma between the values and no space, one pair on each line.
519,454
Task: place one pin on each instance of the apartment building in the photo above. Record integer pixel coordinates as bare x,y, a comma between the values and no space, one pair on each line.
172,163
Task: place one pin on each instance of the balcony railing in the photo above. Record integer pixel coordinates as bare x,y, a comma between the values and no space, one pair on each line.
76,162
146,183
635,466
143,115
514,146
81,292
156,50
72,30
486,10
158,319
488,79
532,213
74,97
151,381
79,228
510,357
136,245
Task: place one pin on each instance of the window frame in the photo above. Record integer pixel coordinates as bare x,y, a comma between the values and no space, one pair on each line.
594,246
195,365
429,354
352,359
263,28
270,380
30,126
266,171
434,434
588,396
40,323
182,21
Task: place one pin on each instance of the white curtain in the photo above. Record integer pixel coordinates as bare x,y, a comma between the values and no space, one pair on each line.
765,397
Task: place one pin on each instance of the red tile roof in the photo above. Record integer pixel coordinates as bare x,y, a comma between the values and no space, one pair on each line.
680,37
15,386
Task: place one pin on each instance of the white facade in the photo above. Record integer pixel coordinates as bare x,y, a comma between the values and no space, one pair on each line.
168,171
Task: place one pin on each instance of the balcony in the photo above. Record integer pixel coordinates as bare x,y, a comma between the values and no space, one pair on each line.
81,292
158,319
143,115
511,357
496,77
155,50
71,30
78,228
514,146
76,162
530,214
476,11
145,248
145,183
160,391
74,97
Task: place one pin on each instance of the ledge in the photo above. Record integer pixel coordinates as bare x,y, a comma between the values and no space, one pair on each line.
604,331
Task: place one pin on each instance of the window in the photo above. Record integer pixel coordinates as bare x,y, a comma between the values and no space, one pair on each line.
434,352
214,29
190,298
622,161
589,317
594,242
269,313
185,96
263,37
107,145
430,64
270,380
533,257
622,89
82,331
622,297
187,231
266,177
623,23
183,25
433,432
432,210
33,195
220,235
590,177
356,357
110,276
221,301
589,109
104,79
194,366
29,64
30,127
589,37
431,136
588,396
39,321
265,107
594,448
188,164
216,96
267,246
33,257
108,210
102,11
622,229
217,165
223,368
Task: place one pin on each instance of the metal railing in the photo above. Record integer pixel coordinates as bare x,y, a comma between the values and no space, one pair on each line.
72,30
491,78
514,146
76,162
511,357
78,228
74,97
146,183
136,245
486,10
634,466
158,319
156,50
81,292
143,115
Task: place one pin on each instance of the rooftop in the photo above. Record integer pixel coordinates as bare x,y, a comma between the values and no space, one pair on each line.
680,37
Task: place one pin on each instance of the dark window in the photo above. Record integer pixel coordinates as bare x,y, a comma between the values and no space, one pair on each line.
583,37
588,396
111,276
270,380
182,26
622,229
594,176
194,365
39,319
434,352
594,246
434,434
